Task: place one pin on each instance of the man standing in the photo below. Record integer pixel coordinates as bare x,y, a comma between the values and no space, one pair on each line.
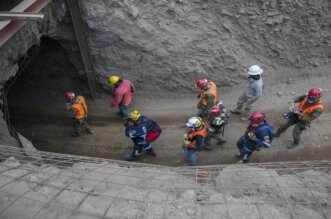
218,120
253,92
137,129
258,134
78,111
122,92
207,96
193,139
310,107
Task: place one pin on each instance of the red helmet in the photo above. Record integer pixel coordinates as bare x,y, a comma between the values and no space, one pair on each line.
69,95
201,83
314,95
257,117
215,111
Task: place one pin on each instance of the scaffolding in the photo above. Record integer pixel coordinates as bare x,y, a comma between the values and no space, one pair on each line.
68,186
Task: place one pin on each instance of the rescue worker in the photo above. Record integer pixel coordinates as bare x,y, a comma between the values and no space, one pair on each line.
136,128
193,139
78,111
207,96
310,108
218,120
258,135
253,92
123,89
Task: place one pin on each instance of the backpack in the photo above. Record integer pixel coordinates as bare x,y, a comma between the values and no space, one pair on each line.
153,129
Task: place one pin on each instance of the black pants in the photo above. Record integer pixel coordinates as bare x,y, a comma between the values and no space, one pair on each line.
78,124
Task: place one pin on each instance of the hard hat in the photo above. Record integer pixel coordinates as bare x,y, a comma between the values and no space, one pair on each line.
134,115
69,95
201,83
314,95
194,122
114,79
257,117
215,111
254,70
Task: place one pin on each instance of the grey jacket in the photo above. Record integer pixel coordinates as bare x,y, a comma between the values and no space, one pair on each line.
254,89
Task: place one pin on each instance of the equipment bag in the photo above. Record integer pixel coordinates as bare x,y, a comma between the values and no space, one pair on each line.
153,131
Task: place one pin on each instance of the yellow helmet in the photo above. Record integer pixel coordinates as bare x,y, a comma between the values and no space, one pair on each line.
134,115
114,79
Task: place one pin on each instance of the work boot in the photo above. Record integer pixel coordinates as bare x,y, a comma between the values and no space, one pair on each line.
130,158
292,145
241,161
89,131
276,134
244,118
235,111
220,142
151,153
75,134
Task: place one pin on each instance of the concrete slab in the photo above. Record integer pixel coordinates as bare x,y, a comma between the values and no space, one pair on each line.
18,187
15,172
213,211
5,179
96,205
70,199
83,185
123,209
60,181
247,211
54,212
6,199
42,193
23,209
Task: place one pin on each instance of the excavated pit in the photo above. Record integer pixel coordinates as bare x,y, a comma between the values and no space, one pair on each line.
38,112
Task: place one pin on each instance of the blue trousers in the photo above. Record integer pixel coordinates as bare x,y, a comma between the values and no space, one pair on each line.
137,149
246,148
191,157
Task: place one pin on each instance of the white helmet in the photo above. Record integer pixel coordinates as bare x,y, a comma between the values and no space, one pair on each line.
194,122
254,70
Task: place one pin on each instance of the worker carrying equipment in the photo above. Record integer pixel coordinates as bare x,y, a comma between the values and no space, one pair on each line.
309,108
252,93
193,139
207,96
258,135
218,119
142,132
123,90
78,111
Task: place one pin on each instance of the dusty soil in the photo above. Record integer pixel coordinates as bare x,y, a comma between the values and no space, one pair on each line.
50,130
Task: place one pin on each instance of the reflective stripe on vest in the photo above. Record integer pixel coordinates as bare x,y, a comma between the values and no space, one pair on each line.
307,109
80,107
212,90
189,143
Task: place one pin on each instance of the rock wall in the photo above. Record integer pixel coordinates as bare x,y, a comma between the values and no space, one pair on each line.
172,42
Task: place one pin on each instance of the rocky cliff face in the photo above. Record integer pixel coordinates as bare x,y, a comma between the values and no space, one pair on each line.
172,42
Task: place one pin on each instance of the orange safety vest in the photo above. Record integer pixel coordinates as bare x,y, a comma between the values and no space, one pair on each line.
307,109
80,107
212,91
191,133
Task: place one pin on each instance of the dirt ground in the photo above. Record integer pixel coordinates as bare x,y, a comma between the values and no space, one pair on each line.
38,112
50,131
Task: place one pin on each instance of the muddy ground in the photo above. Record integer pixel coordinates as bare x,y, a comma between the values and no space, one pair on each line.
38,112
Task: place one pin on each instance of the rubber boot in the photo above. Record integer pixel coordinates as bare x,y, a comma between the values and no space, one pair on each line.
235,111
292,145
89,131
130,157
151,152
75,134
